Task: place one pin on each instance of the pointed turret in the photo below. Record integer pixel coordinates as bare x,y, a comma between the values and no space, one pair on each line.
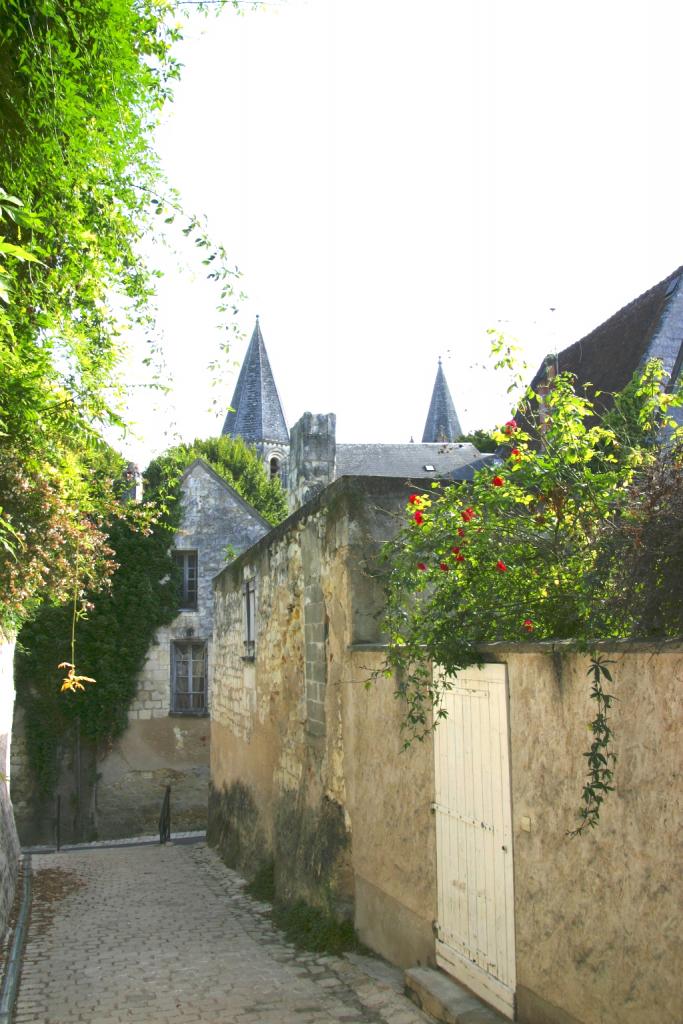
256,414
442,420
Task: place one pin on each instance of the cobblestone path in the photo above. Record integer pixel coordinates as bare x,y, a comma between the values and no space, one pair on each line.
159,935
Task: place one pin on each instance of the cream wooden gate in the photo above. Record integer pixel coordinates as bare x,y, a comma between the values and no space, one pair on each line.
475,927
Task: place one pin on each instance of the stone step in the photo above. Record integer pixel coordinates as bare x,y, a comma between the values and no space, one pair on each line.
445,1000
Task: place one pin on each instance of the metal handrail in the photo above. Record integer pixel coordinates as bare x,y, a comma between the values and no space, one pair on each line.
165,818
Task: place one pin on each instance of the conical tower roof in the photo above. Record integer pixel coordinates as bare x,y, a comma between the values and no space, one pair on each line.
256,414
442,419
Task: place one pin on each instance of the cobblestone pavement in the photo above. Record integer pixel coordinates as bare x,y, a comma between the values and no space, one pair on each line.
159,935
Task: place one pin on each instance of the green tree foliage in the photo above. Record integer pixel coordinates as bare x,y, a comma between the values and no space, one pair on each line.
482,440
535,546
81,88
118,624
232,459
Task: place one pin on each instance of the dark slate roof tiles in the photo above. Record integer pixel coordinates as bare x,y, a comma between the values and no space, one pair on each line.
609,356
409,461
256,414
442,420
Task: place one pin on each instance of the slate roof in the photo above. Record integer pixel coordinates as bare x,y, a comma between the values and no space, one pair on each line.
256,413
409,461
650,326
442,420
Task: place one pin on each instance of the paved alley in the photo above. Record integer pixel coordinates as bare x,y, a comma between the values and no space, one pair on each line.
158,935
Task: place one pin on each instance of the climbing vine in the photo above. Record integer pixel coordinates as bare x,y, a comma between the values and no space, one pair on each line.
601,758
116,626
532,547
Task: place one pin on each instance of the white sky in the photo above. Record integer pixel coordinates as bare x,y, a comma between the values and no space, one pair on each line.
394,176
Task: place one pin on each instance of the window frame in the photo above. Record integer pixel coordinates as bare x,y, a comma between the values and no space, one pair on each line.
176,648
249,617
187,559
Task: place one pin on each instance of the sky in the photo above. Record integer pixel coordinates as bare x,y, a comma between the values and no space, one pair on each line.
394,178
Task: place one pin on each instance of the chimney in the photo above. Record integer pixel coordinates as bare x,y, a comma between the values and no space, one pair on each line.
132,479
311,457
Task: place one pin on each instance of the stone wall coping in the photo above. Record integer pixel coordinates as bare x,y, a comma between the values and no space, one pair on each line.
342,487
672,646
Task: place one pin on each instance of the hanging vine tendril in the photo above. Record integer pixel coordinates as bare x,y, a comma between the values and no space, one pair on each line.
601,759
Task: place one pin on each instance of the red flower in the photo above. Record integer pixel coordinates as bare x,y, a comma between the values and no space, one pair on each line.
516,453
501,566
414,498
443,567
461,532
460,558
528,625
422,566
497,481
456,551
418,517
468,514
510,427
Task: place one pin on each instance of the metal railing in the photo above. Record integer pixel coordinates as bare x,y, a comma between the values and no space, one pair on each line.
165,818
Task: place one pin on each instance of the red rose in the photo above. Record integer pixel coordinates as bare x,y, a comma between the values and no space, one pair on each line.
528,625
497,481
456,551
501,566
418,517
422,566
460,558
468,514
510,427
461,532
443,567
516,453
413,499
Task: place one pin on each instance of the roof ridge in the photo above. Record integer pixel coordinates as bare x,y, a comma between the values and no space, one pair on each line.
628,306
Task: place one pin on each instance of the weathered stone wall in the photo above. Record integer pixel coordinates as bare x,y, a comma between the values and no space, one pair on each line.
9,844
597,917
312,457
292,730
161,748
327,792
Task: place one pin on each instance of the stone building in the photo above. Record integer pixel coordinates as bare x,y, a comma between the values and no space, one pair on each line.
167,739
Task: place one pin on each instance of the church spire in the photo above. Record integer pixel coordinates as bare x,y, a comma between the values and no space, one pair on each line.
256,414
442,420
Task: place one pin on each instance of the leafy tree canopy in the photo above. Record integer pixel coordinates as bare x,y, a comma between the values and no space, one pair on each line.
232,459
81,88
482,440
576,533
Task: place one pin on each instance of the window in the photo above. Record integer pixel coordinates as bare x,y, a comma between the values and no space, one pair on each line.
249,615
188,677
187,563
274,467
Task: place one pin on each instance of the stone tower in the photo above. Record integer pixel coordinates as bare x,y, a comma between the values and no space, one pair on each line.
442,420
256,411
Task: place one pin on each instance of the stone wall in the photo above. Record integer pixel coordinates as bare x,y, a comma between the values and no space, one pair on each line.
289,728
345,814
9,844
597,917
312,457
119,792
